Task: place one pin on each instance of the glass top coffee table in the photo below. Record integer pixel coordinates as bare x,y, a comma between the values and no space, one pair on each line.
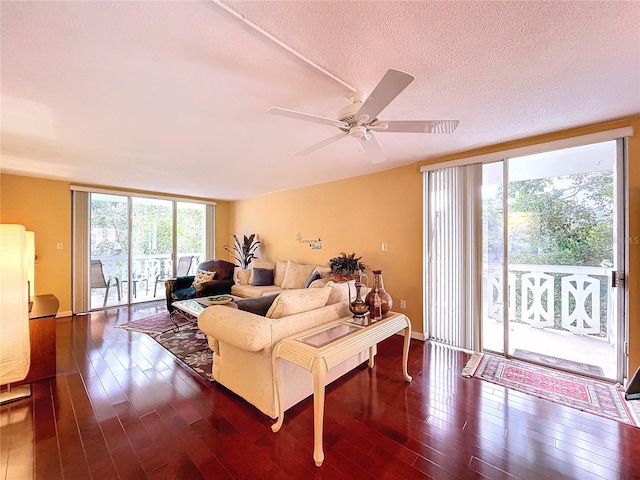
320,349
194,306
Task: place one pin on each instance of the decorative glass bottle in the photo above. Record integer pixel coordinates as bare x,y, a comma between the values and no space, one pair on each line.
378,288
358,307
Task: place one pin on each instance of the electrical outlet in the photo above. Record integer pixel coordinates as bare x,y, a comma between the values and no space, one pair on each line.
403,304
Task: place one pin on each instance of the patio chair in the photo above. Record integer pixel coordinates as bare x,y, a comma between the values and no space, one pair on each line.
98,280
184,266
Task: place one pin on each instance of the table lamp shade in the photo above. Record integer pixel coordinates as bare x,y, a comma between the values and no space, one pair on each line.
14,305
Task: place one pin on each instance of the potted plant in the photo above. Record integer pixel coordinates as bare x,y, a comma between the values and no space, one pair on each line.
245,251
346,266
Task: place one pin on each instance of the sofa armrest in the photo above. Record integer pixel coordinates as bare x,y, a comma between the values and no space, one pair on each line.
239,328
293,324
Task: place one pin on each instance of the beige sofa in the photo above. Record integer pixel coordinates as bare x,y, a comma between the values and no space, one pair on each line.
287,275
242,343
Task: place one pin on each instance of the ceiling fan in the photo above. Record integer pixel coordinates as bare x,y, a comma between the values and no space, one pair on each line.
360,118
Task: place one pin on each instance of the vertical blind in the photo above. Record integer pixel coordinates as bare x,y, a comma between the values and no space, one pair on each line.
454,269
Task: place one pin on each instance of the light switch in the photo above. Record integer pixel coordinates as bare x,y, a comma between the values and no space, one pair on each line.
384,246
59,245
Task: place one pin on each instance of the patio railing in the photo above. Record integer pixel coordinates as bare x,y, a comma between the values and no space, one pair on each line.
574,299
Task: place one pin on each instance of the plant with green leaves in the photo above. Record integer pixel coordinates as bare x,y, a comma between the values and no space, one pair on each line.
245,251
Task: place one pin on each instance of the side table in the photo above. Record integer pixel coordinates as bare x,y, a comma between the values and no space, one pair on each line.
320,349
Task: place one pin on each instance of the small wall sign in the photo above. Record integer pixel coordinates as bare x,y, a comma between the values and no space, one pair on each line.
314,243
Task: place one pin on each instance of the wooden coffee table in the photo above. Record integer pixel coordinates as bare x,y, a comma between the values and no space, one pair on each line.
320,349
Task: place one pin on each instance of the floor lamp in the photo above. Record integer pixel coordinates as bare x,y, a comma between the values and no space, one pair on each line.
15,353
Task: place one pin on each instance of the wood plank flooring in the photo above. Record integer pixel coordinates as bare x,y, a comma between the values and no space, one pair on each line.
122,407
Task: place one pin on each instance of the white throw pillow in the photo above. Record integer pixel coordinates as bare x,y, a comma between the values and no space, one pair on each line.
202,276
256,263
243,276
296,275
298,301
281,269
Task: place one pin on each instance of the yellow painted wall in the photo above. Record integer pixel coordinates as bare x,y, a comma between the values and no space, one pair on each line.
355,214
342,213
44,206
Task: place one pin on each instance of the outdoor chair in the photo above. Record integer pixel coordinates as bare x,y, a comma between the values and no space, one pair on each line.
98,280
184,266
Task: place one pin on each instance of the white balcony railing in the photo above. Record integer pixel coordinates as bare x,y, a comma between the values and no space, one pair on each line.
576,299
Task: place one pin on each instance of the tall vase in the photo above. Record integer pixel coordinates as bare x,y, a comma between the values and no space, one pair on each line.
358,307
381,305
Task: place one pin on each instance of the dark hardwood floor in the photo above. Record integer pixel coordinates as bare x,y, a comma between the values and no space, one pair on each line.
122,407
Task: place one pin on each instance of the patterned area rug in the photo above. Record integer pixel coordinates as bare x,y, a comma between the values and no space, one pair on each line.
188,344
599,398
158,323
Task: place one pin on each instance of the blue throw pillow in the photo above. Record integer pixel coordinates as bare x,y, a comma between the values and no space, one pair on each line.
262,277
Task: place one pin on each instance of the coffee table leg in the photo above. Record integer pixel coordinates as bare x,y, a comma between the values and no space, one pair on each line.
274,357
372,356
405,350
319,371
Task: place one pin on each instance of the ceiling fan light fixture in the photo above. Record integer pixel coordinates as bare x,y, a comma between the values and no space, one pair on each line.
360,118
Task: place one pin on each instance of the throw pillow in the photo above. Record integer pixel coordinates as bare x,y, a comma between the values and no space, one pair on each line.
296,275
298,301
202,276
321,282
323,271
262,277
243,276
278,276
259,305
312,278
340,291
256,263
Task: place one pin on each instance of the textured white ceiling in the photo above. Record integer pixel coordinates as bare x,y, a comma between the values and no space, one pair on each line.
171,96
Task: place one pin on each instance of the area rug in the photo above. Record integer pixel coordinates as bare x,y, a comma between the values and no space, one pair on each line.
188,344
596,397
578,367
158,323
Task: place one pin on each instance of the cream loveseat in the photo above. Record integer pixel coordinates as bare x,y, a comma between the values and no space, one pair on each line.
242,343
266,278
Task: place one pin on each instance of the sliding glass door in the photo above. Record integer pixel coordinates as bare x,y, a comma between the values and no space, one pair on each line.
134,243
550,224
561,233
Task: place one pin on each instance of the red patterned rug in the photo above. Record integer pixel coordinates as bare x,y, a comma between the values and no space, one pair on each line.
593,396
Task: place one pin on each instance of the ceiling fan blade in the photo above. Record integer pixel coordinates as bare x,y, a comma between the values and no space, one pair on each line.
393,82
420,126
324,143
372,149
307,117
